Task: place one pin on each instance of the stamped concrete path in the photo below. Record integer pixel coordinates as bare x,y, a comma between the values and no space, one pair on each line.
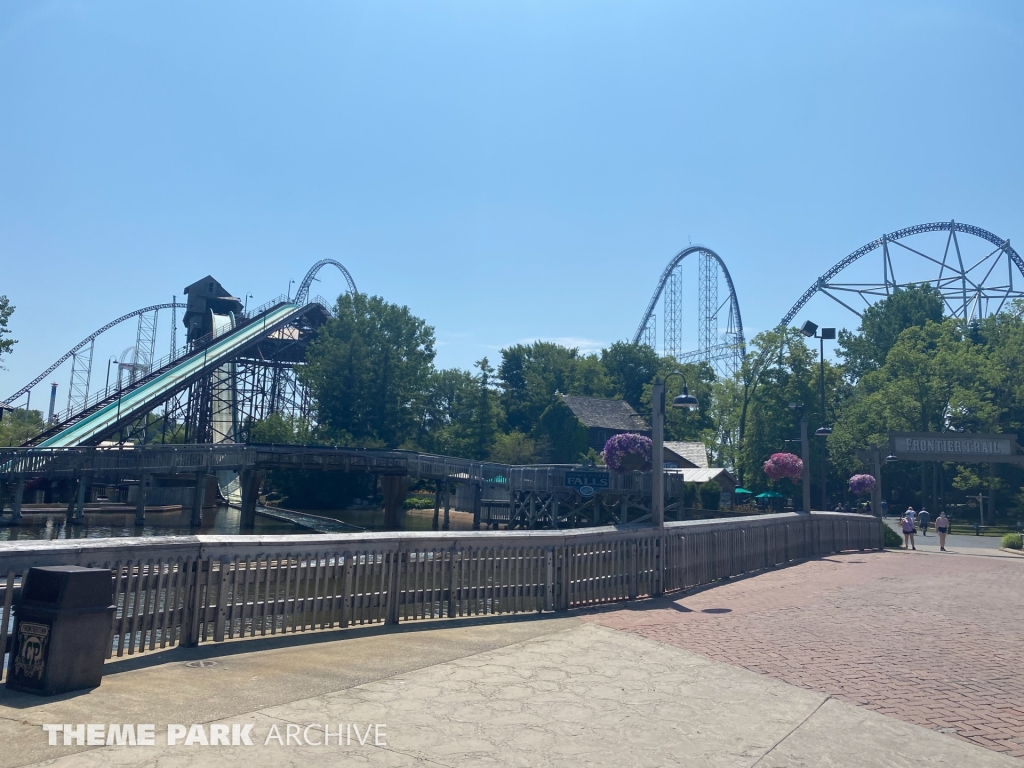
666,686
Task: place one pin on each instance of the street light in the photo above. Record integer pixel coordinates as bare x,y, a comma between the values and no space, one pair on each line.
247,297
810,330
805,454
685,401
113,358
289,290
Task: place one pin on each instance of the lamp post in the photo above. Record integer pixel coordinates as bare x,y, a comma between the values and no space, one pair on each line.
113,358
249,296
810,330
805,454
289,290
685,400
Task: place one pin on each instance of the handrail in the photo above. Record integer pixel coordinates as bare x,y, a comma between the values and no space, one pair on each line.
215,588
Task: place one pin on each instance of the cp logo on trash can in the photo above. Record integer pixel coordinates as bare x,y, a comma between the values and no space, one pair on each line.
32,644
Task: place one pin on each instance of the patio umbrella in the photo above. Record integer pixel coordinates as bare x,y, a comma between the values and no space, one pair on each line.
769,495
740,491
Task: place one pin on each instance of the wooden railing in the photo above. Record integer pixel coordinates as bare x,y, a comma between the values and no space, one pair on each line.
195,589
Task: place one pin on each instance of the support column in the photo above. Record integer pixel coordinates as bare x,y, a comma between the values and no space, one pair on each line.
437,505
447,524
393,488
198,497
658,454
477,498
76,509
250,481
140,500
19,492
876,494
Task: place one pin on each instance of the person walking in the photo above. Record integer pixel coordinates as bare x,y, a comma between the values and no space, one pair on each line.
908,529
923,517
942,528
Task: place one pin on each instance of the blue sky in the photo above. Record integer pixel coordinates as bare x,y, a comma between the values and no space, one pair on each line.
510,171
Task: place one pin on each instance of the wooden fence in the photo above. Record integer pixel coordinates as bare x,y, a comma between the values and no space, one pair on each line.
195,589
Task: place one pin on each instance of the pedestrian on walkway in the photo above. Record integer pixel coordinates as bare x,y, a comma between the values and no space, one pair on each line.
885,508
908,529
923,517
942,527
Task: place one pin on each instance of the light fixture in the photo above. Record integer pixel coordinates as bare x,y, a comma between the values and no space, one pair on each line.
808,329
685,400
823,431
891,458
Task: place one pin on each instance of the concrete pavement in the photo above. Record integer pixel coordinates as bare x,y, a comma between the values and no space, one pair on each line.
536,692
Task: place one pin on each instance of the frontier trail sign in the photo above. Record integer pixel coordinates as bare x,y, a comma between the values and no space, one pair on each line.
955,447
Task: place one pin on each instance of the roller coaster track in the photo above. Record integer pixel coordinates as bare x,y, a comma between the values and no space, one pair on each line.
91,337
957,275
110,410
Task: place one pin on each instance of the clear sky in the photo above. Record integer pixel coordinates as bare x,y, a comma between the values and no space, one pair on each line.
510,171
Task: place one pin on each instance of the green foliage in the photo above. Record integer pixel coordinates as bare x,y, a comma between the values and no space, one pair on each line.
19,425
514,448
531,374
630,369
882,325
892,539
418,502
6,310
366,371
282,429
562,439
1013,541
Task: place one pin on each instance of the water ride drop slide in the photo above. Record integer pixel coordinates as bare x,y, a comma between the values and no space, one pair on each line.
151,391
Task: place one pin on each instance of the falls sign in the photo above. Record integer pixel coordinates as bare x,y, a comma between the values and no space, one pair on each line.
587,482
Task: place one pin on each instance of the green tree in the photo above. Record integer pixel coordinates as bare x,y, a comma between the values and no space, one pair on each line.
447,412
514,448
630,368
531,374
282,429
882,324
6,310
367,372
19,425
485,422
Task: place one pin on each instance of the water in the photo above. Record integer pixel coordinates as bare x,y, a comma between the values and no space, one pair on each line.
102,525
223,520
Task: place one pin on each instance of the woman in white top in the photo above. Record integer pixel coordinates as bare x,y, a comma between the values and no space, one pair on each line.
908,529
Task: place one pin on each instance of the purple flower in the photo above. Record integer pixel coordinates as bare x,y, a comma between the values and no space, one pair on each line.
627,452
861,485
782,465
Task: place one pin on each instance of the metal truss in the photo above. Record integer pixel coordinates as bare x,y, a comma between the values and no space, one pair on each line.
970,289
81,373
145,343
80,366
723,351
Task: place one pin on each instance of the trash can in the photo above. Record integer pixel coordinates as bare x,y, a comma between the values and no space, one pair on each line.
62,630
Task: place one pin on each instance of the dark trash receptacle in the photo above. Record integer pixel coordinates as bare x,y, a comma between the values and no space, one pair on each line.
62,630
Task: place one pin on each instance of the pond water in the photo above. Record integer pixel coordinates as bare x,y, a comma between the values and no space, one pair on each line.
221,520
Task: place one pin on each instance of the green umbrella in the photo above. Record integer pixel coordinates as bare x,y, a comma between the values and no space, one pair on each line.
769,495
740,491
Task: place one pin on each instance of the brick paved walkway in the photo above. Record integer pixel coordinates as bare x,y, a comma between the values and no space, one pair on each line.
936,640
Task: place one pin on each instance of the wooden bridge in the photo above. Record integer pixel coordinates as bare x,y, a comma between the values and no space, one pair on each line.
527,496
196,589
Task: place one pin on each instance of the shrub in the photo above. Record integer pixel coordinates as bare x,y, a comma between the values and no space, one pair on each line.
1013,541
892,539
419,502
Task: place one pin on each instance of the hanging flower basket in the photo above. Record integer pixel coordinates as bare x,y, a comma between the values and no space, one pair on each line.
862,485
784,465
627,453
